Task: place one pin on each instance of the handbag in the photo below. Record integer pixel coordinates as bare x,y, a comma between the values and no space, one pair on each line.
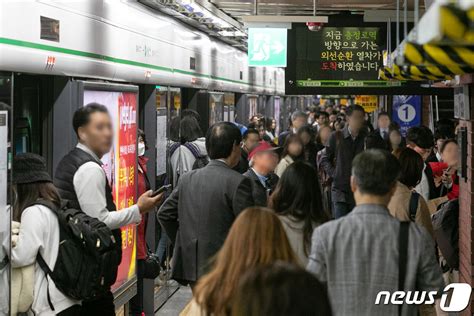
152,266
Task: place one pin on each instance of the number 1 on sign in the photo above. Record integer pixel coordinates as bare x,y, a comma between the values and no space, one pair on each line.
406,113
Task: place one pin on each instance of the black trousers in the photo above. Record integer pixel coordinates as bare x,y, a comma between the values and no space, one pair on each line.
103,306
136,303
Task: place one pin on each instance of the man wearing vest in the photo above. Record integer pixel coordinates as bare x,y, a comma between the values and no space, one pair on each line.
82,182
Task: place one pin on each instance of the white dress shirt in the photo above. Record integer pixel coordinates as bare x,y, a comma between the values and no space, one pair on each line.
89,184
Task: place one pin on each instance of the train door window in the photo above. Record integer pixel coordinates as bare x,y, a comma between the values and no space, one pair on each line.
216,106
6,101
277,115
229,110
253,105
29,115
168,106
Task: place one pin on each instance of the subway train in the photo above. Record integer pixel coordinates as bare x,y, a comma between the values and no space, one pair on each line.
66,53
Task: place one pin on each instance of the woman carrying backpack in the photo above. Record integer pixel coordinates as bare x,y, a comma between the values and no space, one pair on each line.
190,152
38,234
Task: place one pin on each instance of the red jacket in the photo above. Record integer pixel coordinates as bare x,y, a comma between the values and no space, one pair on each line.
143,186
438,169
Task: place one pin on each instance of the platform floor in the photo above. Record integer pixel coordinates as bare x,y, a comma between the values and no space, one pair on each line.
176,302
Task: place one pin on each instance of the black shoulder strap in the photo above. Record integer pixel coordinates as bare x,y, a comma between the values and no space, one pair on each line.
402,257
413,206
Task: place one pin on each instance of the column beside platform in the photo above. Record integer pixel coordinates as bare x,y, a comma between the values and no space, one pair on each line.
466,211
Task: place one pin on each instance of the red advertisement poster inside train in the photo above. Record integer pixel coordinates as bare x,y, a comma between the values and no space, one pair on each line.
120,167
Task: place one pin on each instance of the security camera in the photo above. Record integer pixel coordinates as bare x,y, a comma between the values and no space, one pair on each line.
314,26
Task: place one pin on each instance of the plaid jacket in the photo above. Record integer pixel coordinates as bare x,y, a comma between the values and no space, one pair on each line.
357,257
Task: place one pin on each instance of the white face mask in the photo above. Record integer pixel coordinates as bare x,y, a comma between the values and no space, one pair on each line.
141,149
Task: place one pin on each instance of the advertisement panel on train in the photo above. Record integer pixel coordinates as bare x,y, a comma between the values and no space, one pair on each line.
119,165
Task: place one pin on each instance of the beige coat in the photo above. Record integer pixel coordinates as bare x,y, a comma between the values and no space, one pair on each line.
283,164
399,208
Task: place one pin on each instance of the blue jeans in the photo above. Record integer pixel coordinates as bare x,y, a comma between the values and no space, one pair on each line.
162,245
341,209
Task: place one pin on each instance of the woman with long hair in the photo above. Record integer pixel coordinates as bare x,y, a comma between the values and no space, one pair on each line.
308,137
292,151
247,246
38,234
298,202
411,170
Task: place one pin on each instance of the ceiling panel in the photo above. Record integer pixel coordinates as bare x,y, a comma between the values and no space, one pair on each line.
238,8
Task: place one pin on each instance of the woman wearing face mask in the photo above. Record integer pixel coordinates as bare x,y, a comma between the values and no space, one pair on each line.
136,303
444,172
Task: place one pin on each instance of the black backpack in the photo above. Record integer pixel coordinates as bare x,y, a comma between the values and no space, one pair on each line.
88,256
446,230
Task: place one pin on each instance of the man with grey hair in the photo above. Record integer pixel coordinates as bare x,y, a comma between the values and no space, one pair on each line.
369,251
298,119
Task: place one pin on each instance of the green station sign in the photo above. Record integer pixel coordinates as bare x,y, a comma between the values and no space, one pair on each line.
267,47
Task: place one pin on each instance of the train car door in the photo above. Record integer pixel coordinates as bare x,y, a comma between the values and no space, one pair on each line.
6,132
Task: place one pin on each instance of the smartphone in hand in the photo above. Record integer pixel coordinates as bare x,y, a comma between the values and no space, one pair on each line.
161,190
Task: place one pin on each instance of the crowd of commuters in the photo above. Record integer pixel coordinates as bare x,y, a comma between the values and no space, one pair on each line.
314,221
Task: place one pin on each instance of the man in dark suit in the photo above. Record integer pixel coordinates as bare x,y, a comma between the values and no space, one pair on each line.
383,123
263,161
251,137
199,213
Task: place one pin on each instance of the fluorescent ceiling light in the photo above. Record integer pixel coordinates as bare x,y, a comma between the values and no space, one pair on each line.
284,19
232,33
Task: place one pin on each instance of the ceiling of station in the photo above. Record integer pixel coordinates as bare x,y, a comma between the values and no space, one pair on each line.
238,8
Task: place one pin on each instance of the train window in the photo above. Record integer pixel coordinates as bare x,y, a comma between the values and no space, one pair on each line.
49,29
241,75
192,63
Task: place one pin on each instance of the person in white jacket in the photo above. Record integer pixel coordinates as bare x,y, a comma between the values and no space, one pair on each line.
38,234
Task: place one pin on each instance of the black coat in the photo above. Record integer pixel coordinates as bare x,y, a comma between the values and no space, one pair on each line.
259,192
337,162
199,213
243,164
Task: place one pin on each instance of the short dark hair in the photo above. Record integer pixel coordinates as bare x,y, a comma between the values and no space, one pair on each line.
383,113
375,171
280,289
355,107
250,131
192,113
82,115
190,129
221,139
446,142
411,167
421,137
